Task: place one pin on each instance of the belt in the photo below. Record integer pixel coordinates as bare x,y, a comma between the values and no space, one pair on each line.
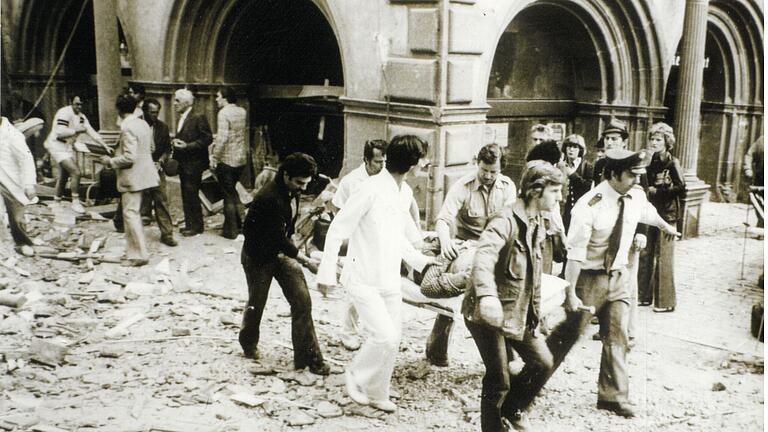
614,272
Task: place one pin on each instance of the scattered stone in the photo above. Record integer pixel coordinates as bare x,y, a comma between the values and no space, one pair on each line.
228,320
261,370
363,411
180,332
328,410
297,417
47,352
110,352
418,372
718,386
246,399
668,387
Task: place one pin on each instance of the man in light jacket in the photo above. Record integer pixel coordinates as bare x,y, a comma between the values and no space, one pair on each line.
135,173
17,182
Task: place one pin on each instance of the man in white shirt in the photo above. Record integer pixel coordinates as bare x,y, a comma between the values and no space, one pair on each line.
600,236
374,221
374,156
68,124
17,181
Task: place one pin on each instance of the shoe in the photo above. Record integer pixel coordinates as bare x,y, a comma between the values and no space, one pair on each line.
320,369
594,321
252,353
643,303
229,236
353,389
146,221
169,241
189,233
596,336
618,408
663,310
77,206
519,421
631,343
437,362
119,228
135,262
350,342
384,405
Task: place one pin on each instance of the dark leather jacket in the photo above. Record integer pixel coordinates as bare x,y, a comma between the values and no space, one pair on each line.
665,185
269,224
508,266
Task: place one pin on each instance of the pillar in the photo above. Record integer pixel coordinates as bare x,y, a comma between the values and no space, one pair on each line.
688,111
108,76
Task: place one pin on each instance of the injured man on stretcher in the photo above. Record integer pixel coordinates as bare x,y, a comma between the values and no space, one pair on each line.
440,288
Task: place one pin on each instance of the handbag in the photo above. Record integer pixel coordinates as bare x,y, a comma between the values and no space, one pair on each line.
170,165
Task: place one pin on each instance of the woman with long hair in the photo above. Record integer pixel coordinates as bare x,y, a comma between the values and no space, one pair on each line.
656,281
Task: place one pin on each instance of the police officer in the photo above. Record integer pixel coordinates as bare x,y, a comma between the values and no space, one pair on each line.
600,236
468,205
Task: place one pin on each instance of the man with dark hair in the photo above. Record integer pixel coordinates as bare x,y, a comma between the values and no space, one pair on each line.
600,236
501,307
468,205
614,136
190,149
156,198
135,173
138,92
229,156
69,124
374,221
268,252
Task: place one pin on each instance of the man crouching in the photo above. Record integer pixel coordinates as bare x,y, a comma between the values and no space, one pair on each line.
501,307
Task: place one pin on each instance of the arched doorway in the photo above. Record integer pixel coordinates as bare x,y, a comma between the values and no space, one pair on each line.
285,58
574,65
731,108
42,35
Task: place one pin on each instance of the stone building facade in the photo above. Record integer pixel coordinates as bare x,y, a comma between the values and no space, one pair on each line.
325,75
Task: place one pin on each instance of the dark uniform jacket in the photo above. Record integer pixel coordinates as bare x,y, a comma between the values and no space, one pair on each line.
196,132
269,224
508,265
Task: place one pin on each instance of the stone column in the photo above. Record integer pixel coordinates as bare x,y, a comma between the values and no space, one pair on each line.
108,76
688,110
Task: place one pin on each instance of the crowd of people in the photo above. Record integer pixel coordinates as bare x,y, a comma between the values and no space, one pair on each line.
611,224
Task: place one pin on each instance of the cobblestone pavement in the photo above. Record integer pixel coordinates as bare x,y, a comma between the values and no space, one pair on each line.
153,377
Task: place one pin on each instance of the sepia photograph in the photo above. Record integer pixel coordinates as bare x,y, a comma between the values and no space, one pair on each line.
443,215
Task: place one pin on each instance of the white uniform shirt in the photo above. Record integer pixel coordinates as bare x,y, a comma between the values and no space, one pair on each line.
374,221
591,225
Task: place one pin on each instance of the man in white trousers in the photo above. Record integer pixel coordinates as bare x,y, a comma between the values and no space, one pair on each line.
374,222
374,157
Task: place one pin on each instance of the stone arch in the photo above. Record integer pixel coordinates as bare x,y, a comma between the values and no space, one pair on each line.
626,43
271,50
606,59
40,38
202,30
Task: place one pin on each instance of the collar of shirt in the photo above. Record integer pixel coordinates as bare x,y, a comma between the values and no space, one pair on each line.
477,185
183,117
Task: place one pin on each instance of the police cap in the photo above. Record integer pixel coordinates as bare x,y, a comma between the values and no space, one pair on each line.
625,160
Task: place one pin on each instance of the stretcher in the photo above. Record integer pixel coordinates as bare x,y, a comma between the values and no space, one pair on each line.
552,297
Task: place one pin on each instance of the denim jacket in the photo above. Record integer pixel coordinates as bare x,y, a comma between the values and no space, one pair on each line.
508,265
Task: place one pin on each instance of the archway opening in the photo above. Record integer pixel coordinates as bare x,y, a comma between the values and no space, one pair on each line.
289,58
545,64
